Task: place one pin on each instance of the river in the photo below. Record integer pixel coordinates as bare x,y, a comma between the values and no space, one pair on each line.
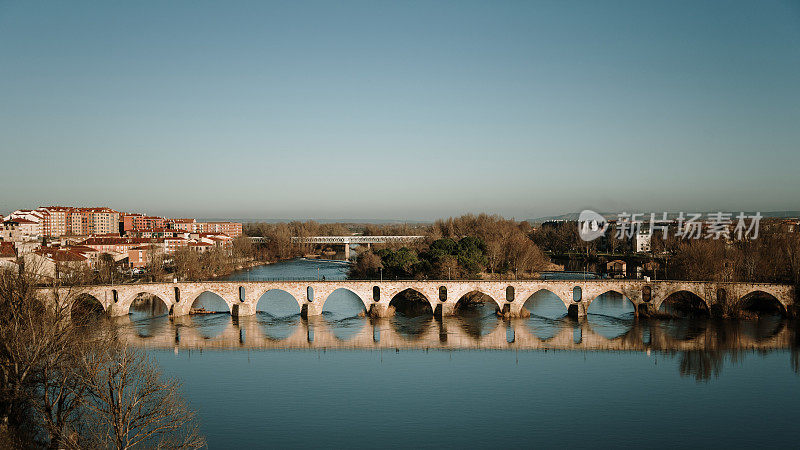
341,380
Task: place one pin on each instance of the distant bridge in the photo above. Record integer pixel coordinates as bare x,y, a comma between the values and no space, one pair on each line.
347,240
242,297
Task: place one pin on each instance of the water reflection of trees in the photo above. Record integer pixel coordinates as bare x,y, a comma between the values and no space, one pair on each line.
478,319
684,329
727,340
701,364
411,326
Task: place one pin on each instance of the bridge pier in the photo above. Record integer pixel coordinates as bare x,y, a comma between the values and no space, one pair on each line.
577,311
377,309
645,309
310,309
444,309
116,310
243,309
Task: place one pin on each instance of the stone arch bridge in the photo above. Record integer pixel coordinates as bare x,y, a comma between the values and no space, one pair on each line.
577,295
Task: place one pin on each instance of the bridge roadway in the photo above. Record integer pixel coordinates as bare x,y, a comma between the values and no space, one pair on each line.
451,333
577,295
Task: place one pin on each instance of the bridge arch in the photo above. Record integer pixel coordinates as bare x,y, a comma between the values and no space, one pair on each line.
464,300
85,307
278,303
555,306
411,301
696,289
144,304
211,300
339,299
475,313
760,301
610,295
683,302
609,316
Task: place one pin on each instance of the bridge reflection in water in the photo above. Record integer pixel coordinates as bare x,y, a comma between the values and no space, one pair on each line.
262,331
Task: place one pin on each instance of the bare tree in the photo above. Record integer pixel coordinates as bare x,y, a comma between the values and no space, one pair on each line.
131,405
56,368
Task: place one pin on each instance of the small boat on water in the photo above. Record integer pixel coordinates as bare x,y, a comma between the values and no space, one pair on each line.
201,311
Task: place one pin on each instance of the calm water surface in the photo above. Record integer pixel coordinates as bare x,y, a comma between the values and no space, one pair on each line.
340,380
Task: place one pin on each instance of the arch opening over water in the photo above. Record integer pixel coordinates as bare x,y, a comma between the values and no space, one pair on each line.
345,313
611,314
760,304
86,309
547,314
343,304
277,314
210,314
147,306
209,303
613,304
277,303
477,313
148,314
546,304
684,304
475,302
412,303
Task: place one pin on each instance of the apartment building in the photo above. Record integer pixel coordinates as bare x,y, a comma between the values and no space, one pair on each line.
60,221
232,229
187,225
155,233
55,220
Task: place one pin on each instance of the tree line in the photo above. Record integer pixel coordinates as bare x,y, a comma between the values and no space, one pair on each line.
491,246
469,246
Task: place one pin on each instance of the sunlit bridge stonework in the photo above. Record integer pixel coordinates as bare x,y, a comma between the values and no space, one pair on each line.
242,297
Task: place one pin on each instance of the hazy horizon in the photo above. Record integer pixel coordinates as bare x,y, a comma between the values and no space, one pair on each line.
400,111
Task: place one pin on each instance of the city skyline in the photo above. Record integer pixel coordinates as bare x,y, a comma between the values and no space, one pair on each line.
400,111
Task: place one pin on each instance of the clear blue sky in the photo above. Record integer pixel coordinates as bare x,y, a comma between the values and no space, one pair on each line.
403,110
